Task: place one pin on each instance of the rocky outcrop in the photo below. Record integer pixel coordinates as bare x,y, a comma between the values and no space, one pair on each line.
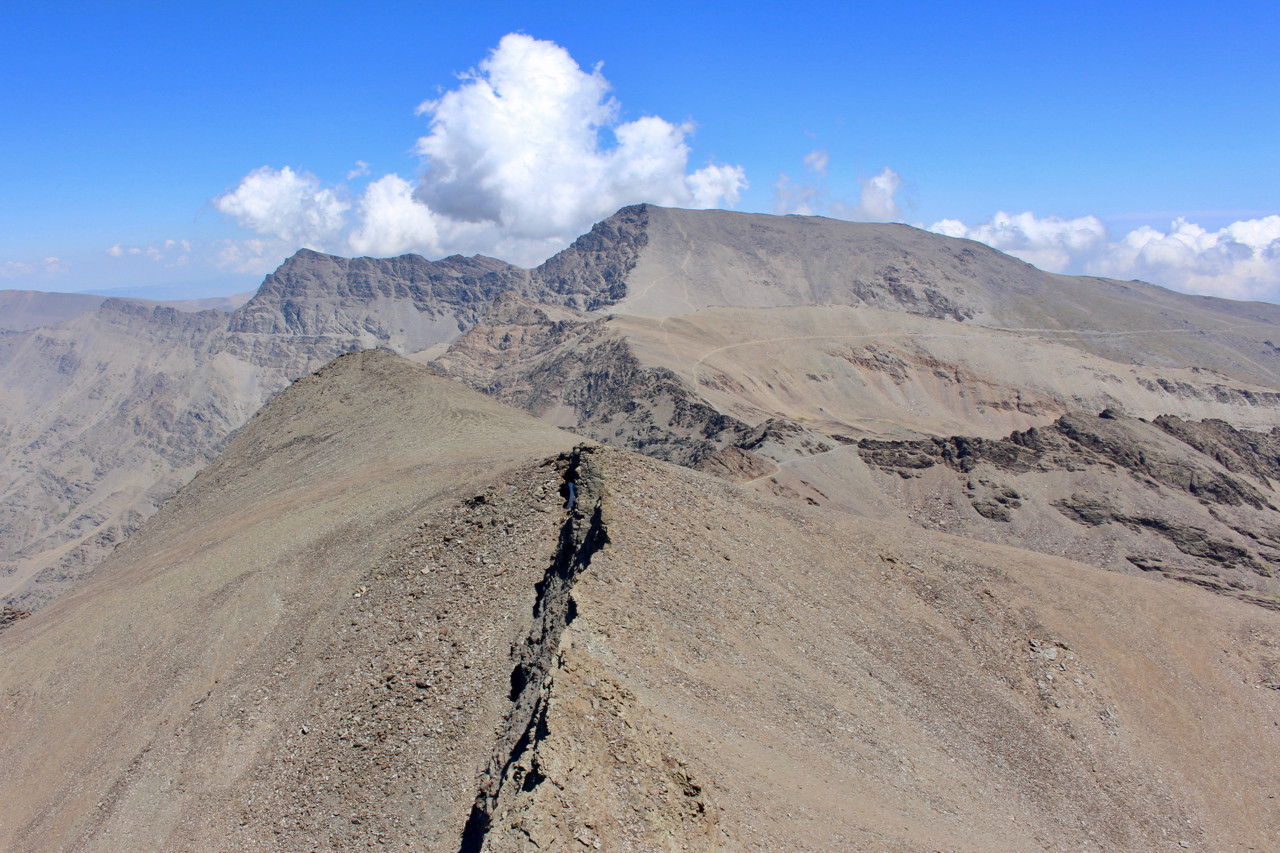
10,615
592,273
1213,392
1197,487
1072,441
516,766
1188,539
314,295
1240,451
581,375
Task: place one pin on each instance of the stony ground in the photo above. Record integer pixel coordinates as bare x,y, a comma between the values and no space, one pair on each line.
788,678
723,322
375,623
780,397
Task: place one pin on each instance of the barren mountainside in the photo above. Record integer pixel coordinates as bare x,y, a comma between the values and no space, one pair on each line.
107,413
715,532
734,343
397,612
995,435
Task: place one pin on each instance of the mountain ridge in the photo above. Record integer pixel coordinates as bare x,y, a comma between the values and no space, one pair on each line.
379,616
109,412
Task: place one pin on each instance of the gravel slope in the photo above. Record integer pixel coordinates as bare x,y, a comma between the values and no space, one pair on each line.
374,622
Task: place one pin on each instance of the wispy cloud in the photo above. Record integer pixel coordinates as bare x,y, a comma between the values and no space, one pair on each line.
816,161
44,269
252,255
877,196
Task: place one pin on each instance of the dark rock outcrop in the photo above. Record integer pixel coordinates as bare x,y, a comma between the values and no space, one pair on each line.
1185,483
1073,441
1241,451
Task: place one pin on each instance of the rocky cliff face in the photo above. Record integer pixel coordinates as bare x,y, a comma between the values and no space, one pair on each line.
314,295
593,272
579,374
408,303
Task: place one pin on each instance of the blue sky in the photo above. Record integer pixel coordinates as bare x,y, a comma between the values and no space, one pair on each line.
130,128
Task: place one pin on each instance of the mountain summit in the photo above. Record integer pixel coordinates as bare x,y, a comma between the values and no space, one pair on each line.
647,331
714,532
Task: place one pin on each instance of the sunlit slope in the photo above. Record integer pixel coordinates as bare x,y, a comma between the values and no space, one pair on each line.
373,620
880,371
137,708
690,260
986,433
784,677
847,370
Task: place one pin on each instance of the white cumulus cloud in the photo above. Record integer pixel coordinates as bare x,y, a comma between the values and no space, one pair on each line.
522,145
392,223
521,157
1240,261
287,205
1051,243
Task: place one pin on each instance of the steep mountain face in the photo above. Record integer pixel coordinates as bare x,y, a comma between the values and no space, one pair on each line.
579,374
831,330
406,303
108,413
274,540
595,271
674,262
394,611
982,432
